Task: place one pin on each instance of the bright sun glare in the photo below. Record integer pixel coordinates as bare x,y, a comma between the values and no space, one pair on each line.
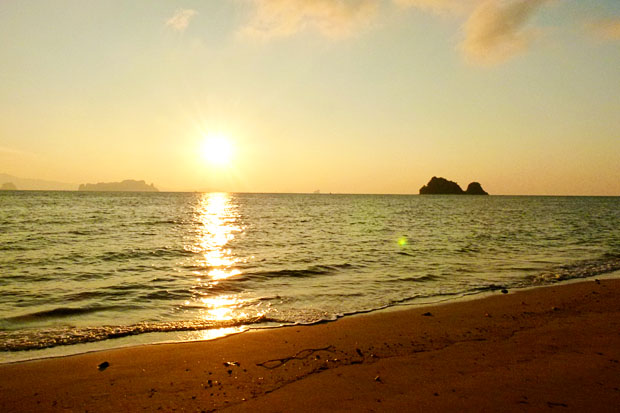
217,150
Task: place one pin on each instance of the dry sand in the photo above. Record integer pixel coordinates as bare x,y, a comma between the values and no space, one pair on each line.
546,349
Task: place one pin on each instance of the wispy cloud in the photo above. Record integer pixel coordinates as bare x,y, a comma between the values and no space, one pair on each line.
11,151
498,30
493,31
180,20
438,6
606,29
331,18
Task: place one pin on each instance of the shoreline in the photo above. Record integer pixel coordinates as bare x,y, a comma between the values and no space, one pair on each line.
219,333
531,349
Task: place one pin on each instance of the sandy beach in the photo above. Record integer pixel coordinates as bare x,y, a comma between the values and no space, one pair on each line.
551,348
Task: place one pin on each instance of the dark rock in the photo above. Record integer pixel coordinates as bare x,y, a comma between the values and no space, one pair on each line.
439,186
427,314
504,291
103,366
475,189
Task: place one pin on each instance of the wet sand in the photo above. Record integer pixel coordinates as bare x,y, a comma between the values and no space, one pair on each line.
546,349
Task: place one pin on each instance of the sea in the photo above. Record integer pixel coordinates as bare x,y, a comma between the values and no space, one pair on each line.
86,271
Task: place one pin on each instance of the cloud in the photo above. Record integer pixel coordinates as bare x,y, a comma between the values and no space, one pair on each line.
11,151
180,20
606,29
331,18
438,6
496,30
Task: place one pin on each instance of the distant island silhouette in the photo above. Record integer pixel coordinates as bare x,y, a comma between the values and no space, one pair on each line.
26,184
9,186
442,186
128,185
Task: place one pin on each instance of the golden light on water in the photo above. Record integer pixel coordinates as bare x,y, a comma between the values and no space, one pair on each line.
216,218
210,334
220,308
218,274
218,228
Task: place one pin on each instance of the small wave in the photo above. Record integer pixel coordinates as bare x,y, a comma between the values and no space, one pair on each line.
269,298
160,222
137,254
14,246
234,284
590,268
86,295
58,312
301,273
405,253
163,279
486,288
422,278
102,294
81,232
16,341
469,249
297,273
126,287
165,295
26,277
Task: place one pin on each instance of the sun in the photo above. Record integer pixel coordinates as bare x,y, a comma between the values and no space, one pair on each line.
217,150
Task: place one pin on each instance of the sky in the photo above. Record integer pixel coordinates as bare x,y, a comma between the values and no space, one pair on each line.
343,96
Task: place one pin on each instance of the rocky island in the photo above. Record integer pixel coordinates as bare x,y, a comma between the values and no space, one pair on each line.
9,186
128,185
442,186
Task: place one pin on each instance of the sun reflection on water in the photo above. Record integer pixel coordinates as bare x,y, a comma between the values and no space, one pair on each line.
217,225
210,334
217,219
221,307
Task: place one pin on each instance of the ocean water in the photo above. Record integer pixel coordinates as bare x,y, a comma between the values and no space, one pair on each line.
82,271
